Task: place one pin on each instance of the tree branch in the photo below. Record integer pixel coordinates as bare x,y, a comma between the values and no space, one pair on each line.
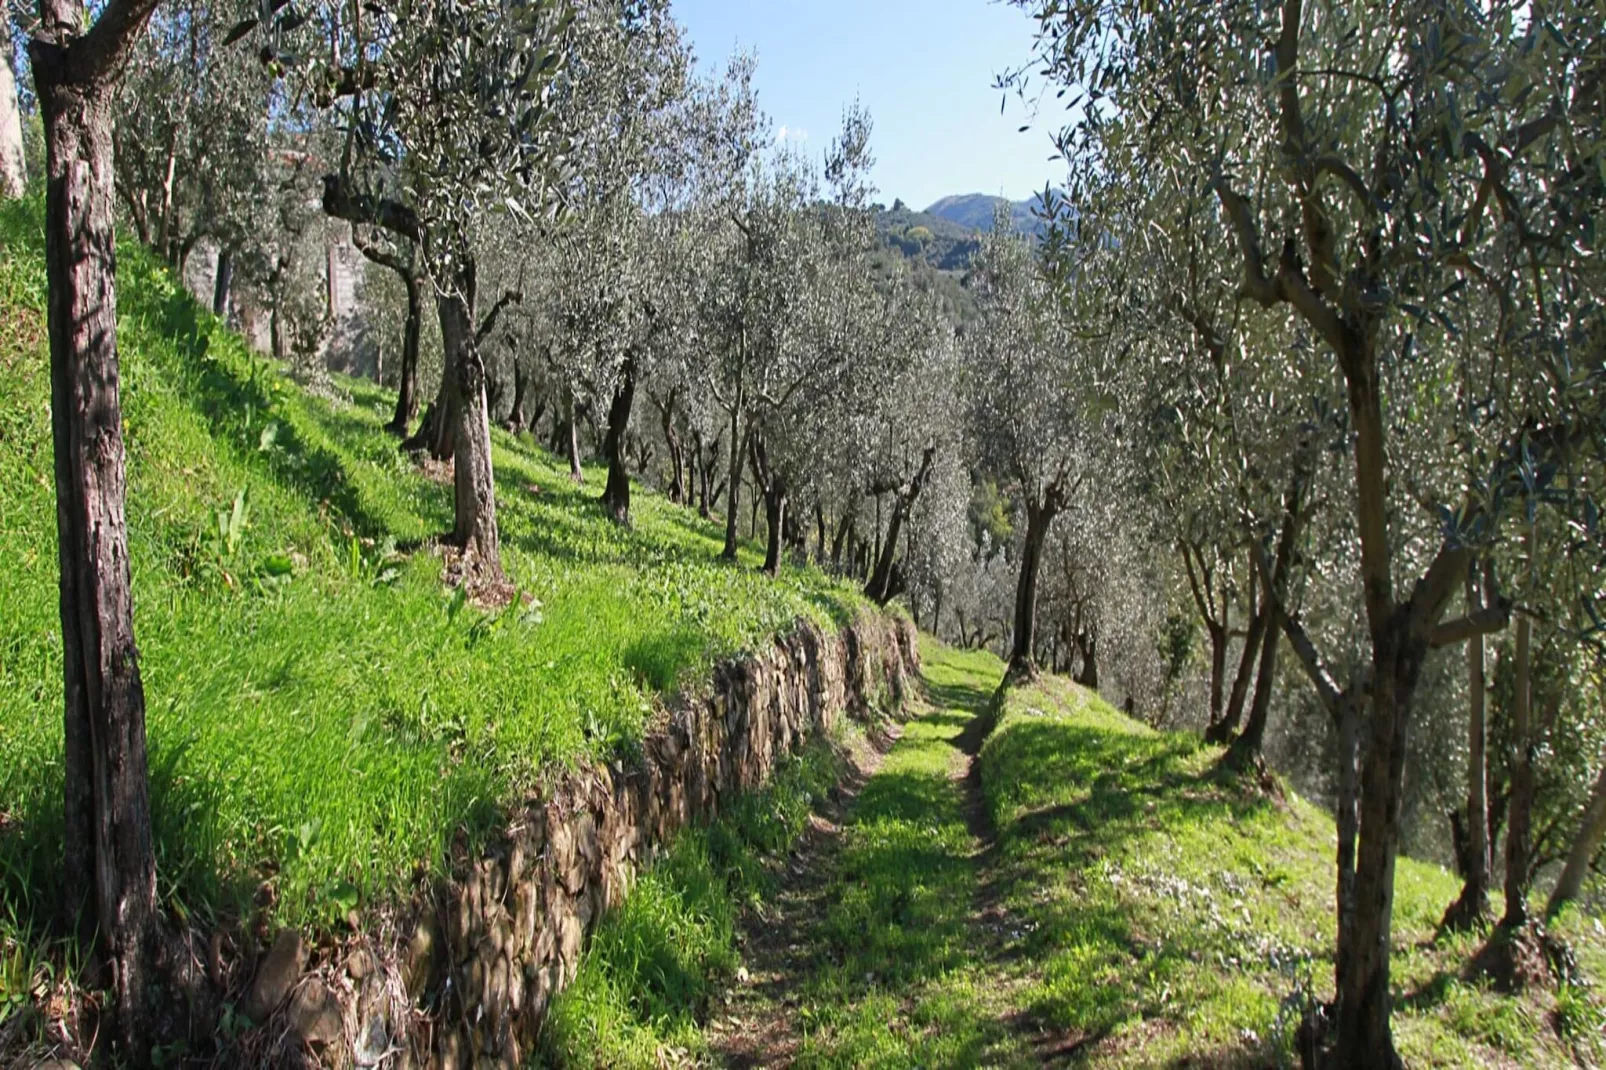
1258,286
1477,623
100,54
339,201
383,257
488,324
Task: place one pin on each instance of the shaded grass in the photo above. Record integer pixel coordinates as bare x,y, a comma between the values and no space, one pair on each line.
323,717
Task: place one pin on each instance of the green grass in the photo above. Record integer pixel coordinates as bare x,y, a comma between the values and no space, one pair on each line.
323,716
1175,914
656,962
897,970
1099,895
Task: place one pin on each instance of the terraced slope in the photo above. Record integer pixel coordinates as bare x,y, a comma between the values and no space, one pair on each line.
1077,890
324,715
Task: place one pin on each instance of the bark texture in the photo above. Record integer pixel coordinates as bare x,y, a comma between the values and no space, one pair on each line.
110,868
616,493
474,485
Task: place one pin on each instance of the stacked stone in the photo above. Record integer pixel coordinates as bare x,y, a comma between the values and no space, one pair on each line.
469,987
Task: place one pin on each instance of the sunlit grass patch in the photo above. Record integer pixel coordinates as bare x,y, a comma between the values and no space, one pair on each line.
1175,912
323,717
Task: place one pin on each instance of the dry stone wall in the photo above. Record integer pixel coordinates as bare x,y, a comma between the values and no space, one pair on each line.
464,982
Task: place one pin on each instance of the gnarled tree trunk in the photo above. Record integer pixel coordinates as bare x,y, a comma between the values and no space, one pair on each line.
616,494
110,866
1039,515
474,497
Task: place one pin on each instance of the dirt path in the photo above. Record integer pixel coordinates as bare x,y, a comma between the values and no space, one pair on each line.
882,942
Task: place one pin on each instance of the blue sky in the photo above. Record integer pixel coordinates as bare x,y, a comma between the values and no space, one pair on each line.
923,68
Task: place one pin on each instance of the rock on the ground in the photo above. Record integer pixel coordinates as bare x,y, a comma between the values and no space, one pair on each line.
280,970
315,1015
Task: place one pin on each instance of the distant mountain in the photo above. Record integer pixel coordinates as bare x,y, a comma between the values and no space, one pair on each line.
942,243
938,243
975,211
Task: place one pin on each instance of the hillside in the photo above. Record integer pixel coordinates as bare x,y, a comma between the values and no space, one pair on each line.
324,715
1074,890
974,211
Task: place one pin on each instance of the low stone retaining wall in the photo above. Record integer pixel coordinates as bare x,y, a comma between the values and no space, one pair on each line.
464,981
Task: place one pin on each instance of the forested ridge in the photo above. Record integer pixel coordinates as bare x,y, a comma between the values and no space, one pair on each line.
427,402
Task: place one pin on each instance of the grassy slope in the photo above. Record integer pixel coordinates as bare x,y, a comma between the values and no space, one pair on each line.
1171,914
325,734
1096,895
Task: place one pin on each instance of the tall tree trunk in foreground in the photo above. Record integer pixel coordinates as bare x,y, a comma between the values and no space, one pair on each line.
1473,905
616,494
107,835
1591,831
474,528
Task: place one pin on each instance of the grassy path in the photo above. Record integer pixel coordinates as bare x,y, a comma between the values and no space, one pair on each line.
879,949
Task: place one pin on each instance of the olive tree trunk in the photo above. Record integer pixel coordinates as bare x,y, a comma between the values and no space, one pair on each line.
407,387
110,866
1222,730
223,282
1519,815
474,529
616,493
1591,831
733,492
1473,905
1039,516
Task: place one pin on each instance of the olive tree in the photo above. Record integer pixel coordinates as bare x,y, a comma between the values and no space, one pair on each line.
444,107
110,865
1027,397
1405,186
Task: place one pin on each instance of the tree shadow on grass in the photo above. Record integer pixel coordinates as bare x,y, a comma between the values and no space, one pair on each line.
238,405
